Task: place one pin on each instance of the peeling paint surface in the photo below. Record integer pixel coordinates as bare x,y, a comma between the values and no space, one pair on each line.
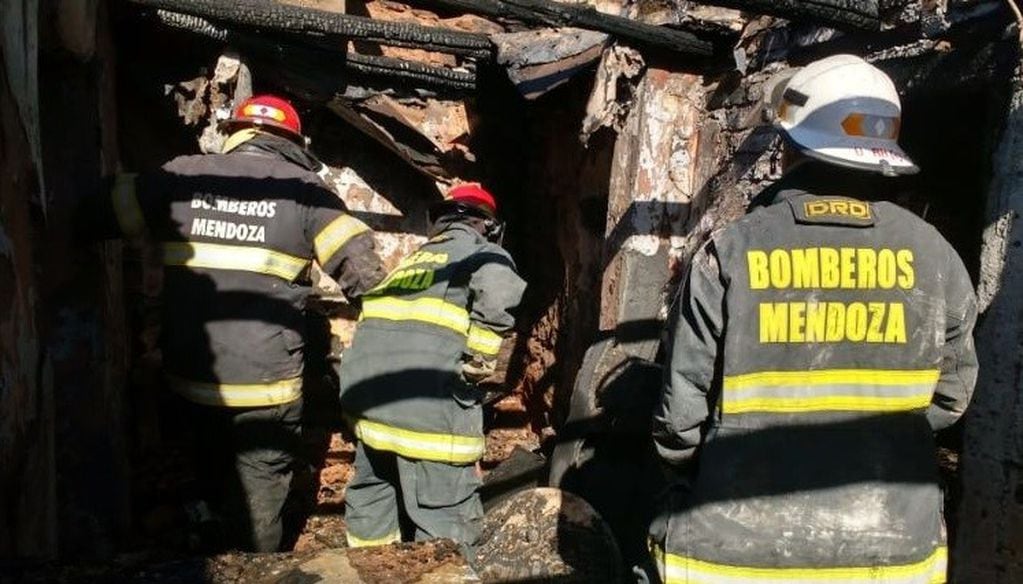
653,185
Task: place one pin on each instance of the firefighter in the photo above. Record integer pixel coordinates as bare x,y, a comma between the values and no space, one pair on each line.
815,346
237,233
429,332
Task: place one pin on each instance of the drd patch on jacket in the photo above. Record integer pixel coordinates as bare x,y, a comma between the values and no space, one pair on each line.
832,211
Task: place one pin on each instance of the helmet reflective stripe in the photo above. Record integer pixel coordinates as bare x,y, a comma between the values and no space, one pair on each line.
871,126
267,111
258,110
841,110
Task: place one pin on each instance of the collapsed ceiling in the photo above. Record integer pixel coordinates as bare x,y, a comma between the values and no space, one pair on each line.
372,60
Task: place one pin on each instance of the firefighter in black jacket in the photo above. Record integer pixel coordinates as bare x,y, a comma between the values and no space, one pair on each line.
815,346
238,232
430,331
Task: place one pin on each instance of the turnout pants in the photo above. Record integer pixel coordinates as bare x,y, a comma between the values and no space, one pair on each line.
245,458
428,499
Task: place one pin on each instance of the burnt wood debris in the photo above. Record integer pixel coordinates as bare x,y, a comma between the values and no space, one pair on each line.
281,17
675,82
312,44
842,14
313,58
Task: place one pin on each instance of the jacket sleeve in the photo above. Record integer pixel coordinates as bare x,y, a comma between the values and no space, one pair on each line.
695,329
125,207
959,357
342,244
496,291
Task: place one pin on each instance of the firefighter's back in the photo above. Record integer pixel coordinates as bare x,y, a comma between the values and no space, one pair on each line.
236,246
820,453
402,372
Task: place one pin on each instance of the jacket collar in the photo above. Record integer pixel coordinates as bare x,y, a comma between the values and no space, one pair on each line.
818,178
273,146
455,226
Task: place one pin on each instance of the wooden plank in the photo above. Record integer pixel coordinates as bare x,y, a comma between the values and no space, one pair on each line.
842,14
269,15
540,60
322,66
557,14
427,163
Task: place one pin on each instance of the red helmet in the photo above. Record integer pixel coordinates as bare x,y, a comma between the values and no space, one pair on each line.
473,195
270,111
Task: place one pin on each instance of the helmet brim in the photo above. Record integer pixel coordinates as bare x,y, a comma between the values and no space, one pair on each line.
872,155
479,211
228,124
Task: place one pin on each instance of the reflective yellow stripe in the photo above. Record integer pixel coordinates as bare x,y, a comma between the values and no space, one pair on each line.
335,235
683,570
833,377
233,257
657,553
238,395
833,403
429,310
357,542
861,390
126,206
420,445
483,341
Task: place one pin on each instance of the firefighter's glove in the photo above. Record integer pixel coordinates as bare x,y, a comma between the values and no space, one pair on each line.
476,368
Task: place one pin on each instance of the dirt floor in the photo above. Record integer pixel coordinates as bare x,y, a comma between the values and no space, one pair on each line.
167,547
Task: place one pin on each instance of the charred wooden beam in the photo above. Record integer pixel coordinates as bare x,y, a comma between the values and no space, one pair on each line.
266,14
977,68
842,14
422,157
560,14
412,71
318,59
537,61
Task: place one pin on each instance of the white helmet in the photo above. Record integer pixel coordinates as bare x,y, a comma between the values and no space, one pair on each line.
841,110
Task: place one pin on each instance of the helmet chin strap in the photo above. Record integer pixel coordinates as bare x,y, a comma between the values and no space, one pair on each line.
493,230
886,169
